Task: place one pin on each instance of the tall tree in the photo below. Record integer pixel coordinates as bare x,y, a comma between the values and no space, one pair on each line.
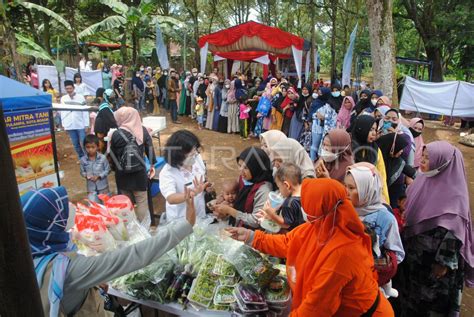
382,46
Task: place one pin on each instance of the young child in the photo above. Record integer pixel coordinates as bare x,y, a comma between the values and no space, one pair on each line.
244,119
399,212
200,112
229,192
288,179
95,168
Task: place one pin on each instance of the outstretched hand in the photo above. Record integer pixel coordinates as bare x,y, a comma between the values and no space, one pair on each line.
190,209
199,185
239,233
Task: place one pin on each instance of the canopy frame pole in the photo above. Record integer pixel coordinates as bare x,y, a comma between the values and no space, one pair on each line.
411,95
454,103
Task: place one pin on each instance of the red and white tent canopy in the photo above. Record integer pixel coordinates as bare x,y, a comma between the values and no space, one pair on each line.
252,41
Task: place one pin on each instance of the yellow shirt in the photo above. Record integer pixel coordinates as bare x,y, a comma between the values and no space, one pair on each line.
383,175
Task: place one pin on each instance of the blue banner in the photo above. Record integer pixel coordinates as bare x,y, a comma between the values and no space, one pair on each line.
161,51
22,125
347,65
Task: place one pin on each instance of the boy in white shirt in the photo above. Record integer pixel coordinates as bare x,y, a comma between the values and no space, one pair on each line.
74,122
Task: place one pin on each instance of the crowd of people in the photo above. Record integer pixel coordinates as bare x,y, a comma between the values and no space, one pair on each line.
369,212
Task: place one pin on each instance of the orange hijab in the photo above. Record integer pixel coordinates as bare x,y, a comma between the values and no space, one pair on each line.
337,225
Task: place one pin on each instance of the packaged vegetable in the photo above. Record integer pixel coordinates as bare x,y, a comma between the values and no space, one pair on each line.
249,294
114,224
251,266
278,292
91,234
223,268
122,207
149,283
224,295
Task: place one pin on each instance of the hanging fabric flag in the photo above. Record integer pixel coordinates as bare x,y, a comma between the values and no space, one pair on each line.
347,65
161,49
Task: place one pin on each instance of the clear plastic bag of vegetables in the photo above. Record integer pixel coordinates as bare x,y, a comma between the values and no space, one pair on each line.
150,282
250,264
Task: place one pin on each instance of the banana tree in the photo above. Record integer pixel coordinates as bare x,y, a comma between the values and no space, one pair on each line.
26,46
128,20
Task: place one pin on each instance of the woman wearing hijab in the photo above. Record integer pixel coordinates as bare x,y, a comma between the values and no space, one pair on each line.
289,150
301,113
384,100
363,102
138,88
365,149
269,139
380,112
392,146
336,155
271,92
288,107
183,100
329,259
67,280
394,123
224,108
437,235
364,187
280,101
255,183
210,101
346,113
324,120
134,184
335,100
416,128
233,110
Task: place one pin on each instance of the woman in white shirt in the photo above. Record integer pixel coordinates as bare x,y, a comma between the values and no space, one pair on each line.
79,87
184,167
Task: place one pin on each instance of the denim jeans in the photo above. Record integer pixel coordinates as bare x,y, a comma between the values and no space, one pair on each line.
173,110
141,103
77,138
315,142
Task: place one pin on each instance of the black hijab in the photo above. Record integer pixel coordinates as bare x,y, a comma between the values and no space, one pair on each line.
335,102
105,119
258,162
363,103
390,144
363,151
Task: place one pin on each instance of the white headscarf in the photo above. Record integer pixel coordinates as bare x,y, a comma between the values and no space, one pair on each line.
369,187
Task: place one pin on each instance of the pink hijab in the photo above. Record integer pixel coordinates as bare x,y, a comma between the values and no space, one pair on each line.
344,116
419,143
129,119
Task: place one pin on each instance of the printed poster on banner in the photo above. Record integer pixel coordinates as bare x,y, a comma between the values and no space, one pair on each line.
31,148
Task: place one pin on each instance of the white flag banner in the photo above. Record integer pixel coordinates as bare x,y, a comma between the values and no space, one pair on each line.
91,78
347,64
50,73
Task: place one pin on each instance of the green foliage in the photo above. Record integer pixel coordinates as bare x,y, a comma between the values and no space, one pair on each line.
27,46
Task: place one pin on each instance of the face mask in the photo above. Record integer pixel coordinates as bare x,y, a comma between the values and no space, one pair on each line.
315,95
165,73
394,125
227,86
190,160
138,75
246,182
415,133
142,69
305,94
436,171
336,94
305,216
328,156
386,125
374,102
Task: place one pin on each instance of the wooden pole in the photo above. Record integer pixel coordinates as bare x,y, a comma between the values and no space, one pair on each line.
18,286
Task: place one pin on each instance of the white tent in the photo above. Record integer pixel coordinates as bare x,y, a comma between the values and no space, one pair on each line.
451,98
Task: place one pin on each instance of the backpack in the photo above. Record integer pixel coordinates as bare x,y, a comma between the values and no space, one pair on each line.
131,160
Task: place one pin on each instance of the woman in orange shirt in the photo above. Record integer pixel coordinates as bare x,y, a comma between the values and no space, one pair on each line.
328,259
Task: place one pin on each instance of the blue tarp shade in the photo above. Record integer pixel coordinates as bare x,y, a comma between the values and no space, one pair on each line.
16,96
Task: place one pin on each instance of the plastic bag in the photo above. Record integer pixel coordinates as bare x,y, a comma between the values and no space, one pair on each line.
122,207
251,265
150,282
92,235
114,224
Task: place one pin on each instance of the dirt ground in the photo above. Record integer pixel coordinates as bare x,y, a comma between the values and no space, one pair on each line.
220,151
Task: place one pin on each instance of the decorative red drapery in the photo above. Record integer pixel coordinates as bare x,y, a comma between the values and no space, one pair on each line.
274,38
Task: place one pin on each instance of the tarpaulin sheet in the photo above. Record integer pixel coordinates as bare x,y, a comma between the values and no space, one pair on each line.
452,98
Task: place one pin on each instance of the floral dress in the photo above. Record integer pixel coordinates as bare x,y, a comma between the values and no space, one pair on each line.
321,127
